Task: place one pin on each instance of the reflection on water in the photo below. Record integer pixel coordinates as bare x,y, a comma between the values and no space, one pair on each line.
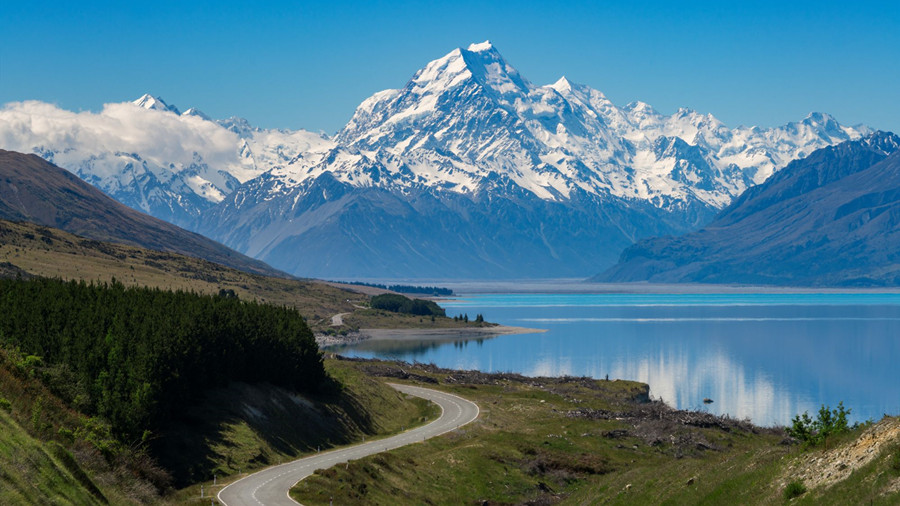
764,358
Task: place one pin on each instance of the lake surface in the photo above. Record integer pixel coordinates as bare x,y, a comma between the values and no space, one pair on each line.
760,356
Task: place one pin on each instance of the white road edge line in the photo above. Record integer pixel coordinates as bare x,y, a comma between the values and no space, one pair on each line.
398,387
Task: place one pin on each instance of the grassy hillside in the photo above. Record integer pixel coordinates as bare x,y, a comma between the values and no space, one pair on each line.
29,249
583,441
247,427
51,454
37,191
35,472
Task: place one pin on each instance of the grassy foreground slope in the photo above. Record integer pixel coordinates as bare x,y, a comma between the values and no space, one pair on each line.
31,474
583,441
52,454
246,427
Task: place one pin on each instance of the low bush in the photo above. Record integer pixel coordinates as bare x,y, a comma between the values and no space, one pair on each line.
827,423
794,489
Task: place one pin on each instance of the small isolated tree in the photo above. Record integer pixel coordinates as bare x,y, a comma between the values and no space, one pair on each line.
828,422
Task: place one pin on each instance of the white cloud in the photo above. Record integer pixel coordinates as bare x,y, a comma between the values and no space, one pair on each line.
159,137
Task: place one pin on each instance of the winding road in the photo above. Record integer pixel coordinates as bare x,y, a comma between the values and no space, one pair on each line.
271,485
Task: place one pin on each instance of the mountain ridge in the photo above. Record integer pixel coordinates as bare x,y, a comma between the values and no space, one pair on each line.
466,129
831,219
39,192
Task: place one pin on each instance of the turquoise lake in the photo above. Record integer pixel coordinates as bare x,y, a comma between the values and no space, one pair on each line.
764,357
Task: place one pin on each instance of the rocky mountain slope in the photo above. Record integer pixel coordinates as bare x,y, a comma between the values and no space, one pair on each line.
468,170
36,191
832,218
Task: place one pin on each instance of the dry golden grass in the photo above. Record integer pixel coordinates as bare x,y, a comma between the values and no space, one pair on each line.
47,252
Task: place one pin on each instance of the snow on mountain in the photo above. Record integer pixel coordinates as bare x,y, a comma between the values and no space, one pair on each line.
467,134
148,155
196,112
470,113
469,138
148,101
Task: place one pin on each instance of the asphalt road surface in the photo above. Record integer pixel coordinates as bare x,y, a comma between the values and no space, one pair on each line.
271,485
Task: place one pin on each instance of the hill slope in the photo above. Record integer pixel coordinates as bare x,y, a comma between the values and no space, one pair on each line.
832,219
37,191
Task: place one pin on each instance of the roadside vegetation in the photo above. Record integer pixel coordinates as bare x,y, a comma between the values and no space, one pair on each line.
585,441
124,395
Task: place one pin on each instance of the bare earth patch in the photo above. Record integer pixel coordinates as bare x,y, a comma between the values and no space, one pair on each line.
827,468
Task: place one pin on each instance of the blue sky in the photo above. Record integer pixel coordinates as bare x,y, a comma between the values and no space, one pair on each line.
309,64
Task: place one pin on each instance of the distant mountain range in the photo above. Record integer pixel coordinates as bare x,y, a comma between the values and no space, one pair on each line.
831,219
469,170
36,191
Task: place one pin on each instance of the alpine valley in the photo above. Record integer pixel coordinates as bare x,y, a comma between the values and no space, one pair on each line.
467,171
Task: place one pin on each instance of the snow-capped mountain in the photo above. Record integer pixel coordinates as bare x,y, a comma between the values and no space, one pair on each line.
149,155
468,170
148,101
470,113
830,219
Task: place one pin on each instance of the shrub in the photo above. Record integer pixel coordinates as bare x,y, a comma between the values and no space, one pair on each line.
794,489
828,422
5,405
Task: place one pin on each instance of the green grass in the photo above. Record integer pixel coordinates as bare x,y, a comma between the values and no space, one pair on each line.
525,447
32,472
284,426
794,489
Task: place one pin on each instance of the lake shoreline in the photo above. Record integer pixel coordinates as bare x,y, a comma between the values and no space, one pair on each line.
449,334
462,288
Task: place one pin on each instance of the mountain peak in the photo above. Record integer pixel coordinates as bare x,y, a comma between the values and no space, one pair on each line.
640,107
480,47
488,67
148,101
193,111
818,118
480,62
562,84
